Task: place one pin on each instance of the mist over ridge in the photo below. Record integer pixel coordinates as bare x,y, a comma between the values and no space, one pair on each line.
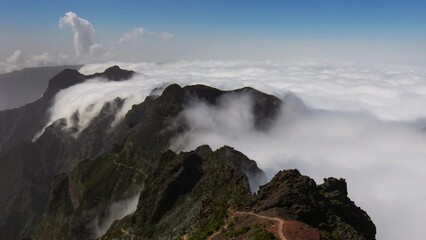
360,122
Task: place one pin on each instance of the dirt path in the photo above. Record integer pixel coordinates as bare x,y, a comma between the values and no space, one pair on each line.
129,167
280,222
216,233
127,234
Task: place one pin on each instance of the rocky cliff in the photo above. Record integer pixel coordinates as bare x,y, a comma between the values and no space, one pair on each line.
27,167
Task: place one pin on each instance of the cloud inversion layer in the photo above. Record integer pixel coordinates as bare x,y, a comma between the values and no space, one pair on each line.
384,162
363,123
384,91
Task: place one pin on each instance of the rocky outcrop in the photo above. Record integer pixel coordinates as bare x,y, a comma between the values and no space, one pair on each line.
326,207
205,193
189,191
114,73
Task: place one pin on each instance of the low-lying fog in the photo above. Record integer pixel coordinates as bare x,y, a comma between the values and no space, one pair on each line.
360,122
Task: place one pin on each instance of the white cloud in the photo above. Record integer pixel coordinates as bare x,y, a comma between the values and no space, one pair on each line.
162,35
138,32
18,61
116,211
86,46
383,90
13,62
131,36
84,35
383,162
361,122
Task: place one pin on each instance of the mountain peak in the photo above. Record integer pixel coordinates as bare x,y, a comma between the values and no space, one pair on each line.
114,73
62,80
70,77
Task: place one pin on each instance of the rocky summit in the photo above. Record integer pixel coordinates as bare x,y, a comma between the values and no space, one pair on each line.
123,181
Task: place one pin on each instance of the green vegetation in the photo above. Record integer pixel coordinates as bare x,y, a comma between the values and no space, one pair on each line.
331,236
236,232
261,234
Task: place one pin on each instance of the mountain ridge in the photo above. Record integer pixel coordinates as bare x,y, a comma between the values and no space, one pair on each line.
27,85
105,165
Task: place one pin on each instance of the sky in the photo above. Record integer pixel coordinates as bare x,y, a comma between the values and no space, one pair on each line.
392,31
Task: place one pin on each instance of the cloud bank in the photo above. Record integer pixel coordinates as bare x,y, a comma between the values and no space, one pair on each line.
18,61
383,161
383,90
363,123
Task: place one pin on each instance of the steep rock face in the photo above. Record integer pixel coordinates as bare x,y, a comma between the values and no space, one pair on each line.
190,192
20,124
335,190
24,170
326,207
218,205
176,177
178,184
28,167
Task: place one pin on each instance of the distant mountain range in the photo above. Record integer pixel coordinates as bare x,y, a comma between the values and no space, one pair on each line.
123,182
25,86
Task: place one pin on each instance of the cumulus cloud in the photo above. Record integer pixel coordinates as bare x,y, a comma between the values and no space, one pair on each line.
131,36
13,62
360,122
162,35
84,35
138,32
85,43
18,61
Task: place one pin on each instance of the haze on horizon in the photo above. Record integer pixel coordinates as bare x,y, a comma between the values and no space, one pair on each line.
57,33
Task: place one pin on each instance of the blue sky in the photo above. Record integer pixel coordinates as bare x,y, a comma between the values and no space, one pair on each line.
391,30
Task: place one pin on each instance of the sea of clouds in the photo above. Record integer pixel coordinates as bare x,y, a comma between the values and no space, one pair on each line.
365,123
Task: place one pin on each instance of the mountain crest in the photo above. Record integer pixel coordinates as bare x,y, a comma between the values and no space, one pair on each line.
62,80
70,77
114,73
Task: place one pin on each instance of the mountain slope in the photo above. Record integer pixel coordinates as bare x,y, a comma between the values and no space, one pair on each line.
25,86
106,172
29,167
